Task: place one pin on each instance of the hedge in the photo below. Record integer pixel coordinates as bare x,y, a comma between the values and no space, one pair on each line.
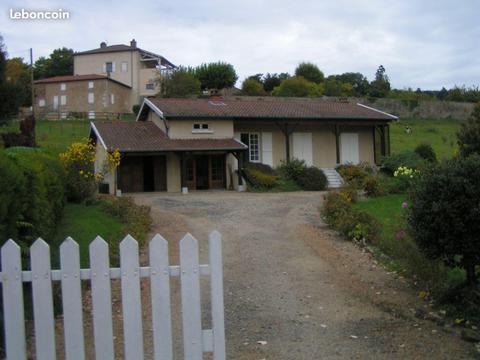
32,195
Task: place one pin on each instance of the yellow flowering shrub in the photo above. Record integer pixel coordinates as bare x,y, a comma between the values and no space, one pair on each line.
79,163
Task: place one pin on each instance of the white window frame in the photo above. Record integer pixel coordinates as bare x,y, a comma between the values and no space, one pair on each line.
201,128
254,153
124,66
63,87
63,100
91,98
90,84
112,99
91,115
41,103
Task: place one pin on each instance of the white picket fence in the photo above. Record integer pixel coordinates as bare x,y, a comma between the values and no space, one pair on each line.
196,340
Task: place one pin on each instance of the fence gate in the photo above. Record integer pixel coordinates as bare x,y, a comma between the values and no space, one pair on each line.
196,340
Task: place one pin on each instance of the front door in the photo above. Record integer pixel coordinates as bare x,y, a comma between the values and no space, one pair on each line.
205,172
142,173
55,102
349,149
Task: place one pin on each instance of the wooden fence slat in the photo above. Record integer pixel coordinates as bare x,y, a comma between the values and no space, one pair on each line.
12,290
72,300
101,299
160,298
42,300
216,285
191,306
131,299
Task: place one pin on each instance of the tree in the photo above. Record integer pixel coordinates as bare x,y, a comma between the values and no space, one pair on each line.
358,81
309,71
468,137
18,75
8,92
179,83
380,87
252,87
59,63
216,75
442,94
271,81
298,87
444,213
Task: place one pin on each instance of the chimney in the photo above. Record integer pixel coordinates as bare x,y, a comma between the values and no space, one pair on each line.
103,45
133,43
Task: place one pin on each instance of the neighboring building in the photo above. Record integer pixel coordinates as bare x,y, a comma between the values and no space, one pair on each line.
88,94
200,143
127,64
125,72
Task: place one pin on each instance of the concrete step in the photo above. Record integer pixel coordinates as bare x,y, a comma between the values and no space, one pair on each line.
333,177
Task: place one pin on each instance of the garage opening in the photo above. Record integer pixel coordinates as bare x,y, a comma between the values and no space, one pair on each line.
142,173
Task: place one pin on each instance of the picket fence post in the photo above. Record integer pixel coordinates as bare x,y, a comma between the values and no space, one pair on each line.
196,340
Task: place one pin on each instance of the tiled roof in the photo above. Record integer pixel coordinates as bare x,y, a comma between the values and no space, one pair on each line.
267,108
69,78
146,136
122,47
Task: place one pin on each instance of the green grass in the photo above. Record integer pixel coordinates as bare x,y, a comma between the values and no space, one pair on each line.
386,209
56,136
83,223
440,133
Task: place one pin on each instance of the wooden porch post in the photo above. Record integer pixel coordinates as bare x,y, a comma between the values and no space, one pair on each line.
374,130
337,143
240,167
382,140
183,170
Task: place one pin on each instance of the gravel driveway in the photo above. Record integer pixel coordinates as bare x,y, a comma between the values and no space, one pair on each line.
292,283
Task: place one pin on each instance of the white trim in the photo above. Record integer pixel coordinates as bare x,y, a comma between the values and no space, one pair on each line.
94,128
380,111
152,106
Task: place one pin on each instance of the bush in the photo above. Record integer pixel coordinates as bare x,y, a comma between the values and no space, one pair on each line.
312,179
353,224
426,152
409,159
32,195
352,173
267,169
371,186
390,185
292,170
136,109
444,213
259,179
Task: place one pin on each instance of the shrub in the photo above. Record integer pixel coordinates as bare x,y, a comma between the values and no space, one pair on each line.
409,159
292,170
468,137
312,178
78,161
426,152
353,224
267,169
390,185
259,179
444,213
371,186
33,204
352,173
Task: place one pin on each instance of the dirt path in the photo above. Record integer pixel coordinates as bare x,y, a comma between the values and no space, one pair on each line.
291,282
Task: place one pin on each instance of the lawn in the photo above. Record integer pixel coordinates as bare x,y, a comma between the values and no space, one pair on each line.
441,134
56,136
83,223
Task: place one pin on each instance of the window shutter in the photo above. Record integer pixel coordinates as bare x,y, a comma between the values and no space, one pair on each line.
104,67
267,157
113,66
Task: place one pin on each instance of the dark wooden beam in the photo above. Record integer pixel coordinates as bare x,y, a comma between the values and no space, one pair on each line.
337,143
374,130
240,168
382,141
183,170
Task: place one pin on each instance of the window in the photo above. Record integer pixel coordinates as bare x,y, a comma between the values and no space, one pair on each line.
124,66
91,115
63,115
112,98
201,128
109,67
63,100
150,86
252,140
217,168
90,84
91,98
41,102
63,87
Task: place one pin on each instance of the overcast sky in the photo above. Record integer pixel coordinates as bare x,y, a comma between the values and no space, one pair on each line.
421,43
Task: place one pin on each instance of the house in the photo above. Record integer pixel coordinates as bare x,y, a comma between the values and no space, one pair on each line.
191,144
128,65
88,94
